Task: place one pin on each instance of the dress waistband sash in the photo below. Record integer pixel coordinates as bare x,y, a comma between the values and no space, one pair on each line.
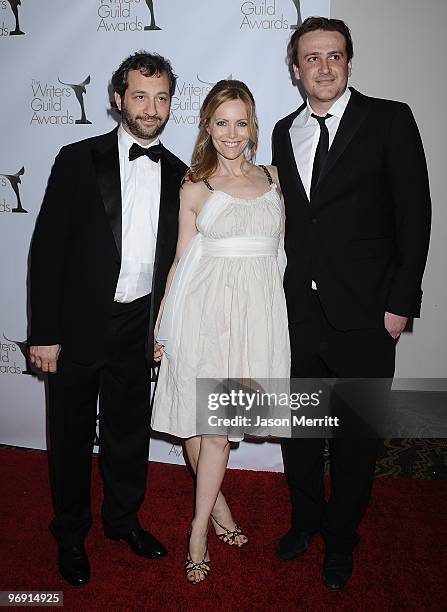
240,246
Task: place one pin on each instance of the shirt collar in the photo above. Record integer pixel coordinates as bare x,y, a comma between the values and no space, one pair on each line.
336,110
126,140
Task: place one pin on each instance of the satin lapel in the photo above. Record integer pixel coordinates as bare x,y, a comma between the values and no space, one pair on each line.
167,230
295,173
289,156
107,166
353,117
168,213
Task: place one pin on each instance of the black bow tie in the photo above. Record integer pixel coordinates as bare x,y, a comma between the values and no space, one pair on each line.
154,153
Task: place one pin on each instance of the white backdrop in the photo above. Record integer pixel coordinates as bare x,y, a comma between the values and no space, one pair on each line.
56,61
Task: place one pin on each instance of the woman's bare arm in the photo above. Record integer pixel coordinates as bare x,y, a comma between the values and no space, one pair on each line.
190,195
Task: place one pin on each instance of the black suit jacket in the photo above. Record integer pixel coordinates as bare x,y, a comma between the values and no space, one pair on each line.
76,247
364,236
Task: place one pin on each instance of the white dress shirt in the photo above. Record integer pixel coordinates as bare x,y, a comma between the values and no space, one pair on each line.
305,134
140,195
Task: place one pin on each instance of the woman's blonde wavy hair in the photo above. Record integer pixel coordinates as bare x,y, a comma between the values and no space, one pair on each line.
204,157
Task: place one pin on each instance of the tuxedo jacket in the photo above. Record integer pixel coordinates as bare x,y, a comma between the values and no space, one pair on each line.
363,237
76,247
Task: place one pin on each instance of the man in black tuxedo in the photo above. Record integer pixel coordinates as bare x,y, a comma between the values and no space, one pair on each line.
354,178
104,241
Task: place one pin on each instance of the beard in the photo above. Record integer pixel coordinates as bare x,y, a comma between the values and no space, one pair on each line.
137,130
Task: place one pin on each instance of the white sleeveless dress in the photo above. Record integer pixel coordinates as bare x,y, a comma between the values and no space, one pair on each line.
225,316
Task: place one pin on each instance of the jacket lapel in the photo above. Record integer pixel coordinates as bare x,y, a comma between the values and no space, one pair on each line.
107,167
296,175
287,147
168,213
353,117
166,239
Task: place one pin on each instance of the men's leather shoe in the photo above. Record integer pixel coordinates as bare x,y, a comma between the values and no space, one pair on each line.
293,544
73,564
337,569
140,541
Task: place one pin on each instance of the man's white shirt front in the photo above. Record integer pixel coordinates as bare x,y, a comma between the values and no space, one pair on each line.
140,196
305,134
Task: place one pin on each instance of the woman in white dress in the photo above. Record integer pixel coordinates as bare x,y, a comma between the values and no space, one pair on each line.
224,314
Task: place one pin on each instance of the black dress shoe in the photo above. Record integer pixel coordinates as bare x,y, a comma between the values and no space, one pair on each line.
140,541
293,544
73,564
337,569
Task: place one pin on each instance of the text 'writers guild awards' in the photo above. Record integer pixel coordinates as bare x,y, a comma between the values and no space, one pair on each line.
23,348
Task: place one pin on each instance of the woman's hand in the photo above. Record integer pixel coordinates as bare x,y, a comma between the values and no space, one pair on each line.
158,351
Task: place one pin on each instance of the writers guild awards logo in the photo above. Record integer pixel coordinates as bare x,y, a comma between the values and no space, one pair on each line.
13,180
126,16
14,7
9,351
187,100
299,20
79,91
152,25
52,102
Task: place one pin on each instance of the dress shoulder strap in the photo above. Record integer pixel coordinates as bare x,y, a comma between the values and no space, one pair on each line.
267,174
207,184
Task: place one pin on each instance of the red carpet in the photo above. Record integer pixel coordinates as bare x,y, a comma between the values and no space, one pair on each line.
400,562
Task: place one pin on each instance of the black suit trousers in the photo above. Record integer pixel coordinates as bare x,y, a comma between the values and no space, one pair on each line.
319,350
121,380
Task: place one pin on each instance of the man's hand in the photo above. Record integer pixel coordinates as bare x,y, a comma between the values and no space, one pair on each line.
158,351
394,324
45,357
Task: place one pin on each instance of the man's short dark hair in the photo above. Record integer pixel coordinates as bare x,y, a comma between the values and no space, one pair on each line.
149,64
320,23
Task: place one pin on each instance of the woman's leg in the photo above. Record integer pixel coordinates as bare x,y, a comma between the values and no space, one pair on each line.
210,469
221,512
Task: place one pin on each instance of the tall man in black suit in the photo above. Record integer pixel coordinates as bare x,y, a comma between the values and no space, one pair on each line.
104,241
354,178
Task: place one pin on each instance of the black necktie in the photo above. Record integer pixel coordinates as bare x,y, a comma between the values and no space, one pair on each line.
154,153
322,149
